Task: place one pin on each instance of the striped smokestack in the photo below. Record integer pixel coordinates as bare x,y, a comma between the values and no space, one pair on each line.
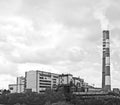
106,80
103,60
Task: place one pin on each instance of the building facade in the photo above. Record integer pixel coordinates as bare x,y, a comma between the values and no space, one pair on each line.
75,84
78,81
13,88
20,84
39,81
19,87
65,79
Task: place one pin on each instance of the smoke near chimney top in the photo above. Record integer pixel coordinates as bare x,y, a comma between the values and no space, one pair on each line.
104,22
100,14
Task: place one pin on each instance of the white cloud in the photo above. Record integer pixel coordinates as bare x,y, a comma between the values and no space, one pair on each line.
5,80
7,67
9,7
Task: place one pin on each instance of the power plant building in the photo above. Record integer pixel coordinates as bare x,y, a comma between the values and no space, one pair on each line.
19,87
20,84
65,79
78,82
68,79
39,81
13,88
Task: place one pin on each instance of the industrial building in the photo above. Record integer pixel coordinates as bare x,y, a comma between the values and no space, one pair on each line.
72,84
20,84
79,82
65,79
39,81
19,87
13,88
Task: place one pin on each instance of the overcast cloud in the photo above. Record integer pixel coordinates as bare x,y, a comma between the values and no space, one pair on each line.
61,36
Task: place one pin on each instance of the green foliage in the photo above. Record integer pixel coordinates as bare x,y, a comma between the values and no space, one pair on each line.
32,98
4,99
5,91
62,103
54,98
77,100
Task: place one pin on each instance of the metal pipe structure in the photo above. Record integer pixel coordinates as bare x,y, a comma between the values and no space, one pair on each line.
106,79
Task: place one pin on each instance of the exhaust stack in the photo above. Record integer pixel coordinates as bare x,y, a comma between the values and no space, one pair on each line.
106,79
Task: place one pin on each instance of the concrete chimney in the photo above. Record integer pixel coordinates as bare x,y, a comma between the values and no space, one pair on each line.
103,60
106,79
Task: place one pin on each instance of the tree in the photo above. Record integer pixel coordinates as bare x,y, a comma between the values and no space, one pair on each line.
53,97
62,103
4,99
5,91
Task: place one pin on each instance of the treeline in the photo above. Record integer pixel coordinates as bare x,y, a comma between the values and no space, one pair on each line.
48,98
77,100
53,98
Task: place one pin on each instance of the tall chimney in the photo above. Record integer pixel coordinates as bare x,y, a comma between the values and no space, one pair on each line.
106,80
103,60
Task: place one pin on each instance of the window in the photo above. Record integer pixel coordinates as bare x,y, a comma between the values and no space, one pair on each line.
45,86
45,81
54,81
42,91
41,78
55,76
45,75
11,88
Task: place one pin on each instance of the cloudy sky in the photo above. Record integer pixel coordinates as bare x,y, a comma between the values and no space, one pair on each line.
61,36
